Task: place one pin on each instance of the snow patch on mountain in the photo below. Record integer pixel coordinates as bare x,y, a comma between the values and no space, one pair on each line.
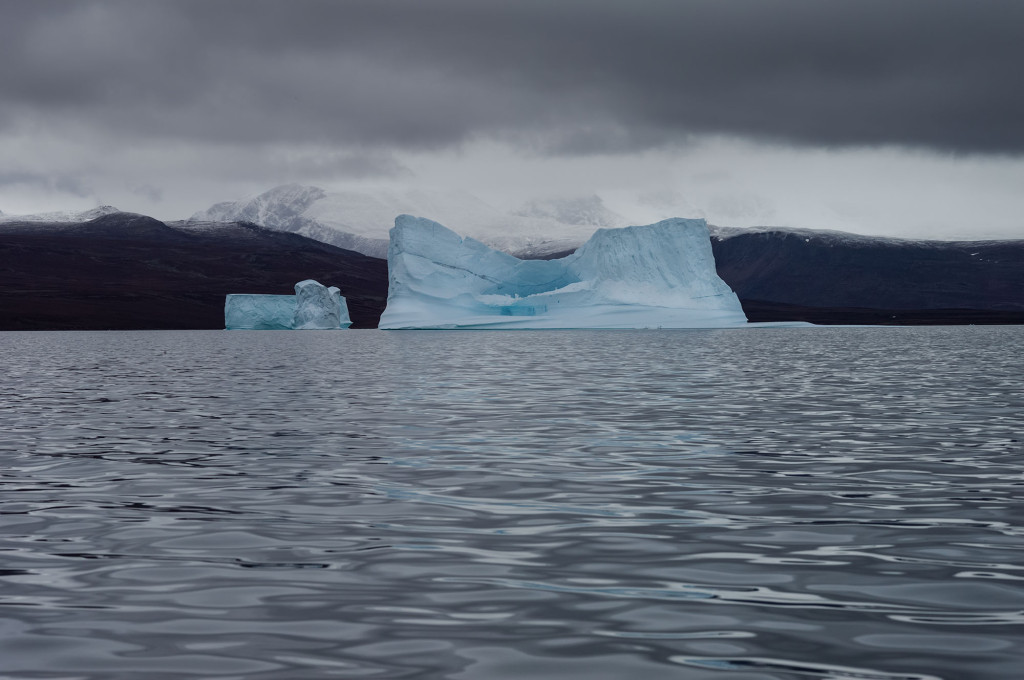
827,236
277,208
61,216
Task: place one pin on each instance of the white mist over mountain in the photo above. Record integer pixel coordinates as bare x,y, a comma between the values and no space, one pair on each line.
360,219
878,191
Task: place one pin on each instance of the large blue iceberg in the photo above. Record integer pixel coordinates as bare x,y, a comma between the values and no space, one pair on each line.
657,276
313,307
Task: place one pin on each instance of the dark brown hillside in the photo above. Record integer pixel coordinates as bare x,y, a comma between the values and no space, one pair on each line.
125,271
827,277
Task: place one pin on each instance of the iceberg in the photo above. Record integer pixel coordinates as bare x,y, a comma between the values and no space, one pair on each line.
259,312
656,276
313,307
317,307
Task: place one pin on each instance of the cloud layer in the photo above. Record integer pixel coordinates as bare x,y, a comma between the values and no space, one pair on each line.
566,77
877,116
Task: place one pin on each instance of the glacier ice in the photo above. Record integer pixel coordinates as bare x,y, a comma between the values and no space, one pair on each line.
313,307
656,276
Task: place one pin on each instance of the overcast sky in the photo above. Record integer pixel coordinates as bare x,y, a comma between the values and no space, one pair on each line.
872,116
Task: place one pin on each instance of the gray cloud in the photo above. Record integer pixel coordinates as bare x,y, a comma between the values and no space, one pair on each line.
63,182
148,191
566,77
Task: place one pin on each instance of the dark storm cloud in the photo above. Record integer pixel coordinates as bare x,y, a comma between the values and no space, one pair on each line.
567,76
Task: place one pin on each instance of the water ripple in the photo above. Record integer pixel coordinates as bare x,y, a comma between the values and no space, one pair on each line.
762,504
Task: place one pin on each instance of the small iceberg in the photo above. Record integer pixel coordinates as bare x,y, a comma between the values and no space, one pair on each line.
313,307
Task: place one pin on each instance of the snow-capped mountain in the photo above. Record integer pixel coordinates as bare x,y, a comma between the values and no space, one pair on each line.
62,216
277,208
360,219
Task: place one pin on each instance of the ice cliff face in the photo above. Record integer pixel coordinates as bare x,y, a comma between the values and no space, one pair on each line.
658,276
313,307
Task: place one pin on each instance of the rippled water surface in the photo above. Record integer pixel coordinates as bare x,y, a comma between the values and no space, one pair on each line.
835,503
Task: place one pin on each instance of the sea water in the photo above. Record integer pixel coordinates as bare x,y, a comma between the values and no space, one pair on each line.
835,503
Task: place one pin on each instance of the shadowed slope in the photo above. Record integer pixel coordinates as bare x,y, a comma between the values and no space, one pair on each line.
125,271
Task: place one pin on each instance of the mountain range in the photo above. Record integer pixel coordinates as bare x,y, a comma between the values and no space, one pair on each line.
106,269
